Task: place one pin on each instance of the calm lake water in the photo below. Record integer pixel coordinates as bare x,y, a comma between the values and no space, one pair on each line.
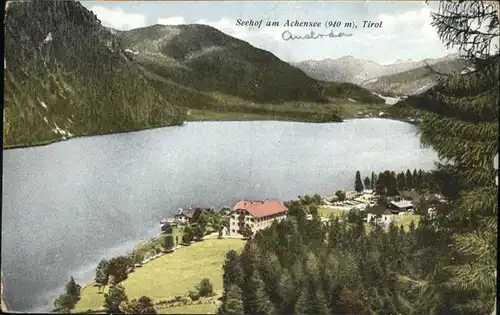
69,204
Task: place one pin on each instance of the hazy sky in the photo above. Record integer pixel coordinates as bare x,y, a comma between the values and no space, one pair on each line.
406,32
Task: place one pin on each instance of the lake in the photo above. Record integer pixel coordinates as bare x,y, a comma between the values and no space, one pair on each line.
69,204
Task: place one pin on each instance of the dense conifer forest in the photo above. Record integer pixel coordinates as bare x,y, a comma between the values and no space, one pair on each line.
446,265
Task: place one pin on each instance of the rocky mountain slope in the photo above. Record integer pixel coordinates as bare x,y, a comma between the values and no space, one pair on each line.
202,58
354,70
415,81
66,75
457,89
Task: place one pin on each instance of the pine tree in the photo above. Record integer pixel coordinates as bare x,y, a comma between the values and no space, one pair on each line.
310,301
421,180
353,301
232,270
73,289
416,183
296,209
313,210
114,298
367,182
401,181
188,235
67,301
232,304
391,184
460,121
168,243
255,299
409,180
358,184
270,270
144,305
63,304
373,181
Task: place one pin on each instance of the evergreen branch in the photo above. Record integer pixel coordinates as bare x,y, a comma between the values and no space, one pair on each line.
491,223
472,83
473,153
475,306
471,277
479,244
476,208
484,104
482,201
465,29
477,177
454,23
486,131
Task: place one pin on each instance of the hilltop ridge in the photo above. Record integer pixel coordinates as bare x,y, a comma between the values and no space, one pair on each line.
356,70
58,59
417,80
68,75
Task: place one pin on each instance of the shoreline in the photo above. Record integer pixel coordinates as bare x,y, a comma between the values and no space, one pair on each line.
213,235
52,141
48,142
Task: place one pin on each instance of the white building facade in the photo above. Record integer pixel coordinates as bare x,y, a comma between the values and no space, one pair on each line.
257,214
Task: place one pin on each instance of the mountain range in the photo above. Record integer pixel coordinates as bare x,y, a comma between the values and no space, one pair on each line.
200,57
364,72
417,80
68,75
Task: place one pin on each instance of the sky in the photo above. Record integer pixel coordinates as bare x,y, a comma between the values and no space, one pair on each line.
405,32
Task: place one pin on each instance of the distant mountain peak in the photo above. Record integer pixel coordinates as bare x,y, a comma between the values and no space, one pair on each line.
356,70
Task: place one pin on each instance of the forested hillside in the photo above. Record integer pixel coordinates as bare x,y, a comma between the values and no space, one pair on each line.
304,267
415,81
448,264
203,58
66,75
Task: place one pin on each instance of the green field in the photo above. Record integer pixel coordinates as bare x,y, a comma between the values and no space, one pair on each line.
399,220
206,308
405,220
327,212
291,111
172,274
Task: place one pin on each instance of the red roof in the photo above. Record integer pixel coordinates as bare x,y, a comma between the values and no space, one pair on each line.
259,208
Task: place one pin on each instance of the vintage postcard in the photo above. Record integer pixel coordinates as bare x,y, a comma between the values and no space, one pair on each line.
182,157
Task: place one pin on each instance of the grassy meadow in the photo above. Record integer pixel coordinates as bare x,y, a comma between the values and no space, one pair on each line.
204,308
171,275
399,220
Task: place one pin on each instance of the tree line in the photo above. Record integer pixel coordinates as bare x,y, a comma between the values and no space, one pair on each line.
446,265
391,183
67,301
82,81
112,272
301,266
